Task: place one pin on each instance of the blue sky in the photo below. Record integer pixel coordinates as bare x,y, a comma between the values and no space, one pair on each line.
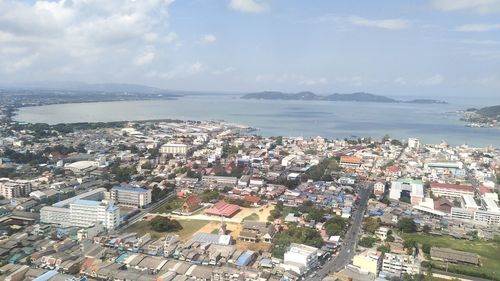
399,48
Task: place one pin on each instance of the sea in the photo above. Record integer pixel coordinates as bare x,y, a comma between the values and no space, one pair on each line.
431,123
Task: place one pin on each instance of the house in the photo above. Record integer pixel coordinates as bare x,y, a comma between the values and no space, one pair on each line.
257,232
379,188
454,256
369,260
192,203
350,161
443,205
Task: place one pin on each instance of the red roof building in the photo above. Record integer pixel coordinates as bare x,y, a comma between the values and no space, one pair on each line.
451,190
252,199
192,203
223,209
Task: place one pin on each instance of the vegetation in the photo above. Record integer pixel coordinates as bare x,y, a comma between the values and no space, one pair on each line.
164,224
323,170
367,241
251,217
487,250
169,206
209,195
189,227
301,235
370,224
407,225
335,226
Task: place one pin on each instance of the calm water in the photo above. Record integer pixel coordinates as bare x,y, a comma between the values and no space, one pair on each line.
429,123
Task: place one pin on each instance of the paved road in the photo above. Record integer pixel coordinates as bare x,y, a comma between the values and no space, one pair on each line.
348,248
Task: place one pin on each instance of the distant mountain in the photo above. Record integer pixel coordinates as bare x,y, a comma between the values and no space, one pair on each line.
359,97
490,111
86,87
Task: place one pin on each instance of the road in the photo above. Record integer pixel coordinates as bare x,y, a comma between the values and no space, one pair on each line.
144,212
348,248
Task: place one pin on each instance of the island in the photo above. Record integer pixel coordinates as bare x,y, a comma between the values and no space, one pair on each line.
480,118
357,97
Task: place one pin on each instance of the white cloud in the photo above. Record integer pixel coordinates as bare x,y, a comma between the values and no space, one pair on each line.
478,27
249,6
145,58
85,36
479,6
433,80
313,81
391,24
208,39
223,71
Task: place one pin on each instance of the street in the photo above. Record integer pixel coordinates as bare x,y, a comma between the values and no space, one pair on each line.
348,248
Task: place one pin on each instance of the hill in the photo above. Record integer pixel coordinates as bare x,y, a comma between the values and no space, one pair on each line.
490,111
358,97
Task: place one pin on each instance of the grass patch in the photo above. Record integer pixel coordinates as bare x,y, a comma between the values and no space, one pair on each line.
169,206
487,250
189,227
251,217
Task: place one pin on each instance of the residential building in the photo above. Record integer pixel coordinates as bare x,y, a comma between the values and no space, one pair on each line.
350,161
397,265
257,232
131,196
368,260
14,189
300,258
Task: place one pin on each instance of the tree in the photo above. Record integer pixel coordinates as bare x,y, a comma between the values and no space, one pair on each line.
410,245
370,224
426,248
389,238
164,224
426,229
301,235
407,225
384,249
367,242
335,225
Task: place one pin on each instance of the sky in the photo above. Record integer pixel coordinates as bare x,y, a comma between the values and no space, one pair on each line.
398,48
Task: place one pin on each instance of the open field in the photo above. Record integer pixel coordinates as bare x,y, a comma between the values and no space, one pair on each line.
189,227
169,206
489,252
252,217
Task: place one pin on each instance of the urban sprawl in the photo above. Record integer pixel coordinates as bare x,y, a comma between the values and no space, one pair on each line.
206,200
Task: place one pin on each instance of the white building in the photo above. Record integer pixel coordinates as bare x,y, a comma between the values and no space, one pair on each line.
451,190
14,189
131,196
413,143
82,213
488,217
415,188
300,258
397,265
82,210
174,148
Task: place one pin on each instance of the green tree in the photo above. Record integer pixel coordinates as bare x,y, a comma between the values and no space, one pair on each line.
164,224
426,248
370,224
407,225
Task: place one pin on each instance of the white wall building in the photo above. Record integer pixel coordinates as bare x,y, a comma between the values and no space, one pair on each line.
397,265
131,196
300,258
14,189
174,148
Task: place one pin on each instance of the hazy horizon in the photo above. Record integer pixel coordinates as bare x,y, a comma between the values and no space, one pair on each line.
433,48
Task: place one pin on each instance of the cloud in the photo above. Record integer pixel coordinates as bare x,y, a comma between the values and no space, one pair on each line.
433,80
223,71
313,81
249,6
391,24
145,58
82,37
479,6
478,27
208,38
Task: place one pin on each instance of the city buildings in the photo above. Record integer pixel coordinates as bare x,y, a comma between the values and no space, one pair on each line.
131,196
452,191
368,260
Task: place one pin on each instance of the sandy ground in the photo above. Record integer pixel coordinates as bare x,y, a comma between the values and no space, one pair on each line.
263,212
